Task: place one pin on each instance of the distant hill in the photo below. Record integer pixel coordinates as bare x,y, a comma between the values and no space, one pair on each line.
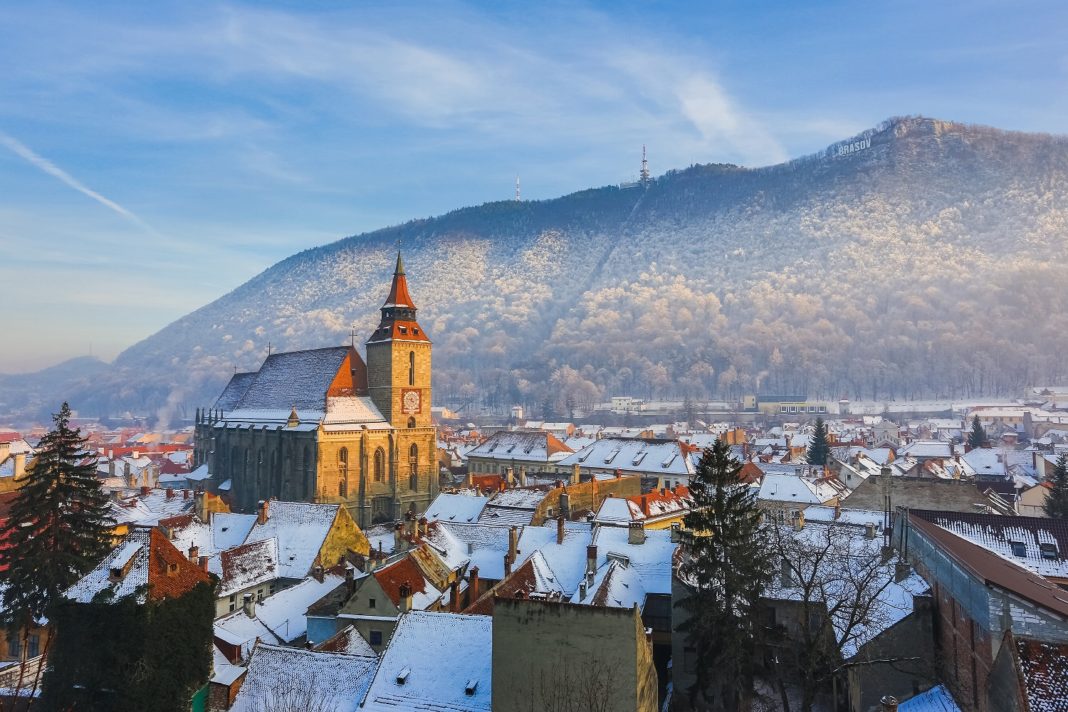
921,257
37,394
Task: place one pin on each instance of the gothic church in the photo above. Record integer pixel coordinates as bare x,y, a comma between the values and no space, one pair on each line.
323,426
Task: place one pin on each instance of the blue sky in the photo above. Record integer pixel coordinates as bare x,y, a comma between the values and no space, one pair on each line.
154,156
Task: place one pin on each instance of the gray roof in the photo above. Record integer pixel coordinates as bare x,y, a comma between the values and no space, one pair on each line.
296,379
234,391
918,493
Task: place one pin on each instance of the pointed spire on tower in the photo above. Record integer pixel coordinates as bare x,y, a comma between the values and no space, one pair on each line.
400,265
398,291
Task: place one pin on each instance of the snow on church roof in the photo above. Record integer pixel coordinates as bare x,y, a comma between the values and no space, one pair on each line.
234,391
294,379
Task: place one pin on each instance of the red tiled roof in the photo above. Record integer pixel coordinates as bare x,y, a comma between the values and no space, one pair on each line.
9,436
398,291
1044,668
163,582
522,579
391,577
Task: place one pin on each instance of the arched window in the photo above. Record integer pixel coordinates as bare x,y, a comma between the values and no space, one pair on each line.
413,465
411,422
380,465
411,368
306,476
343,472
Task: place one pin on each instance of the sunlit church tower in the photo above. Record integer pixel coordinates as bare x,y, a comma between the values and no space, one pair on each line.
323,426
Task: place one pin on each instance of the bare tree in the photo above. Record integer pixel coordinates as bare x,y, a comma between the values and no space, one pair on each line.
834,579
292,693
588,688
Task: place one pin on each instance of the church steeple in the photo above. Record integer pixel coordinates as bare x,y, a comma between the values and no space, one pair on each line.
399,304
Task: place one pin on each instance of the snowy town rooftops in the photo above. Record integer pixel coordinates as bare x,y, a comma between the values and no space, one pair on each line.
927,449
247,565
616,584
645,456
482,545
145,564
295,379
279,677
280,618
300,528
425,668
794,489
1037,543
650,507
456,507
348,641
522,445
651,559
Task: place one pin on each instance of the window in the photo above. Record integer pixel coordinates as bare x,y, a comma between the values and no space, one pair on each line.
33,646
380,465
411,422
1018,548
376,637
413,465
411,368
1048,551
343,487
370,603
14,646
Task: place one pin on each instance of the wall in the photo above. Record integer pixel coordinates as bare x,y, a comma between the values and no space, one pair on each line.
586,495
343,536
548,656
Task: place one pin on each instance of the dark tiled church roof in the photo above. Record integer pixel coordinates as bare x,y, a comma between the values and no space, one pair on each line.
296,379
234,391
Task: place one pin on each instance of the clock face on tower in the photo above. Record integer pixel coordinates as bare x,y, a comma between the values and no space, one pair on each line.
411,402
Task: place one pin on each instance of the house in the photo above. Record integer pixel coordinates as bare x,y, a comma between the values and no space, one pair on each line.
436,661
291,679
918,493
786,494
665,462
509,451
549,654
659,509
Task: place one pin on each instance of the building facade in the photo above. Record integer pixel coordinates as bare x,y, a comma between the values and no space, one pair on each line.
325,426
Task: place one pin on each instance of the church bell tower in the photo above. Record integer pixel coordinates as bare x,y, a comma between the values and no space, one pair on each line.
398,360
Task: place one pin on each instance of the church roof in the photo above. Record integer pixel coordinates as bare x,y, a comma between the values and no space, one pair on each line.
295,379
234,391
398,292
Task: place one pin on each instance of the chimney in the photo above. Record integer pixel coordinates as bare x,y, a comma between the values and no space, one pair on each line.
248,605
565,504
203,563
837,510
507,565
522,476
194,553
869,530
317,572
636,533
185,494
350,580
405,597
575,473
645,504
423,530
560,529
262,514
902,570
513,543
591,558
399,544
591,519
136,454
509,476
410,524
454,597
144,490
798,518
676,532
20,464
472,584
170,492
888,703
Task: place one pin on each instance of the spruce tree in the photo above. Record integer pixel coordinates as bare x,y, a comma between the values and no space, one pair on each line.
818,447
58,528
977,437
1057,499
728,564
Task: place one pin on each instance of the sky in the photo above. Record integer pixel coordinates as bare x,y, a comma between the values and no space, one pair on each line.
155,156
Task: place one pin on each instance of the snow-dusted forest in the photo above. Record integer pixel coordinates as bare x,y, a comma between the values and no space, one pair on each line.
924,259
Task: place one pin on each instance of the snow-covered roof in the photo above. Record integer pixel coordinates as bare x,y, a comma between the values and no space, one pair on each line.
432,662
650,560
230,529
456,507
936,699
926,449
351,410
791,488
300,528
294,379
483,545
522,445
561,565
616,585
283,614
247,565
640,455
291,678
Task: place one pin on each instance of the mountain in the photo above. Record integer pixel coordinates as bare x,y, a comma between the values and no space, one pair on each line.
36,395
919,258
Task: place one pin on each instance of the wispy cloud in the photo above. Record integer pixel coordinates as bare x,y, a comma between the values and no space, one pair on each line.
25,152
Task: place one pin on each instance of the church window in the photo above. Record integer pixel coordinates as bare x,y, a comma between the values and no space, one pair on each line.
411,422
343,472
343,487
413,464
380,465
307,474
411,368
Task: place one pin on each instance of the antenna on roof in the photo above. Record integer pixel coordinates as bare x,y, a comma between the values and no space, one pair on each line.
517,198
352,335
644,175
268,348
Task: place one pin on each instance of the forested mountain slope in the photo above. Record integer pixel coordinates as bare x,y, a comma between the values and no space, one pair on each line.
919,258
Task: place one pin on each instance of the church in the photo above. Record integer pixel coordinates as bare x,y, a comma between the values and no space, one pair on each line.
324,426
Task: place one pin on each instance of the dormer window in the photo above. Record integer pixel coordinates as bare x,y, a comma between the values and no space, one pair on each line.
403,329
1018,548
1048,551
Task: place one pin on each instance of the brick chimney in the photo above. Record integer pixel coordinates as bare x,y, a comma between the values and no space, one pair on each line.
405,597
248,605
399,544
575,474
170,492
513,543
454,597
423,530
350,580
636,533
185,494
194,553
20,464
472,584
317,572
507,565
560,529
591,558
203,563
262,512
144,490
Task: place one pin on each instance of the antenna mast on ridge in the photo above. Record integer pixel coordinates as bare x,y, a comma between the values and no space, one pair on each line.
517,188
644,175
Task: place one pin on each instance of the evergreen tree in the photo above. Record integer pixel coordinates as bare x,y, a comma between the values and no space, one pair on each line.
728,565
818,447
1057,500
58,528
976,438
